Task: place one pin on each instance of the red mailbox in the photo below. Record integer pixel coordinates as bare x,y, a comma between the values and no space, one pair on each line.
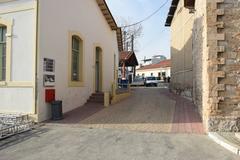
49,95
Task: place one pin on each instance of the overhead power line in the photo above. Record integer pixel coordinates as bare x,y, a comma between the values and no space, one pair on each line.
151,40
148,17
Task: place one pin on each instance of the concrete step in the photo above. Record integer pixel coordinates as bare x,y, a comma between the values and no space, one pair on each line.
227,140
98,94
96,97
96,100
238,135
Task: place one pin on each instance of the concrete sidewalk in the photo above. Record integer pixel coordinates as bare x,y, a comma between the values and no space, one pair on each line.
73,143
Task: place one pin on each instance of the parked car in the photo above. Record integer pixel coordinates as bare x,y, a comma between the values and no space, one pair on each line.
151,81
138,82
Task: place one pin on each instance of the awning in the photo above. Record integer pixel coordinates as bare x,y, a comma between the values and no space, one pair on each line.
129,58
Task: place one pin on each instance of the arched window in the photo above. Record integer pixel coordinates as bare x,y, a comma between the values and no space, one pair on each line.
75,60
3,31
5,50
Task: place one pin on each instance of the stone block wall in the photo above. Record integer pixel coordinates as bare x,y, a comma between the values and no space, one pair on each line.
200,58
223,41
210,39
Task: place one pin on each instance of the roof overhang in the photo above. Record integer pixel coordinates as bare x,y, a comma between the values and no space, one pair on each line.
129,58
107,14
119,39
171,12
189,4
111,22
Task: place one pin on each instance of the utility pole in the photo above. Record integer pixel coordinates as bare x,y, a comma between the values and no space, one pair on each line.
124,39
132,39
127,46
134,68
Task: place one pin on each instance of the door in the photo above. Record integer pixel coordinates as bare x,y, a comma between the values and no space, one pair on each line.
98,70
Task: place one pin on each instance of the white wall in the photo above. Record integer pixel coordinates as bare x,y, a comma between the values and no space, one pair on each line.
15,96
56,19
147,72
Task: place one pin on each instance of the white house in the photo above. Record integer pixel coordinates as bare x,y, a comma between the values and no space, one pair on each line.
161,69
66,47
155,59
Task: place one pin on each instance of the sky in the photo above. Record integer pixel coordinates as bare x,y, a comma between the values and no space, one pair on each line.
156,37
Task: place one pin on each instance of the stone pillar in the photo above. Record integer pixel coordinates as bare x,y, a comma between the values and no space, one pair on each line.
223,22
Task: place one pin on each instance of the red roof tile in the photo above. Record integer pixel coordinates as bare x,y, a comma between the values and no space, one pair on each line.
128,57
162,64
125,55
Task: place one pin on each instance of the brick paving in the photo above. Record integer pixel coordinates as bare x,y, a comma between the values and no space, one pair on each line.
147,110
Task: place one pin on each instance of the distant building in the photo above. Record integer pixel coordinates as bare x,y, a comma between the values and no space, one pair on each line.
161,69
146,62
154,60
158,58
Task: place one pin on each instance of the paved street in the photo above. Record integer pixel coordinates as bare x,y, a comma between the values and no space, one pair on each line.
152,124
148,109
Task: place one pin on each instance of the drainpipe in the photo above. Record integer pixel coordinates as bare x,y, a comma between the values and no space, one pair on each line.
36,58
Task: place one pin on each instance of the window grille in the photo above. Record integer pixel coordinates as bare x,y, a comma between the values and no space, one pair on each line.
3,31
75,58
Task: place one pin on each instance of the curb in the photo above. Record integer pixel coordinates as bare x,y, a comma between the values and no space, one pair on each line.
224,143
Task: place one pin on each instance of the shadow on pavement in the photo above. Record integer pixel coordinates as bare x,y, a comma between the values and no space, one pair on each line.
19,138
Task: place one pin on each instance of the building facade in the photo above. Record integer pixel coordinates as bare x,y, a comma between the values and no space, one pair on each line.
205,59
155,59
161,70
64,48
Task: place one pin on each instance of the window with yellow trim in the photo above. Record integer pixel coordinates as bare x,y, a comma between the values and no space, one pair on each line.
3,31
76,60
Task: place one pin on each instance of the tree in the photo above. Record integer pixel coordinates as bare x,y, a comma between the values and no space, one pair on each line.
131,34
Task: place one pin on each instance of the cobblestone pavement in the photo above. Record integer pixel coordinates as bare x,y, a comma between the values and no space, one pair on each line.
148,110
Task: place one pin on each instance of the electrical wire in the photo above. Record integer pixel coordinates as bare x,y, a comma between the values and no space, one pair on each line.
151,40
148,17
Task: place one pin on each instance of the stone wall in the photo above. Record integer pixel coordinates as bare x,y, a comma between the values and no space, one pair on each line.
210,39
223,39
200,58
